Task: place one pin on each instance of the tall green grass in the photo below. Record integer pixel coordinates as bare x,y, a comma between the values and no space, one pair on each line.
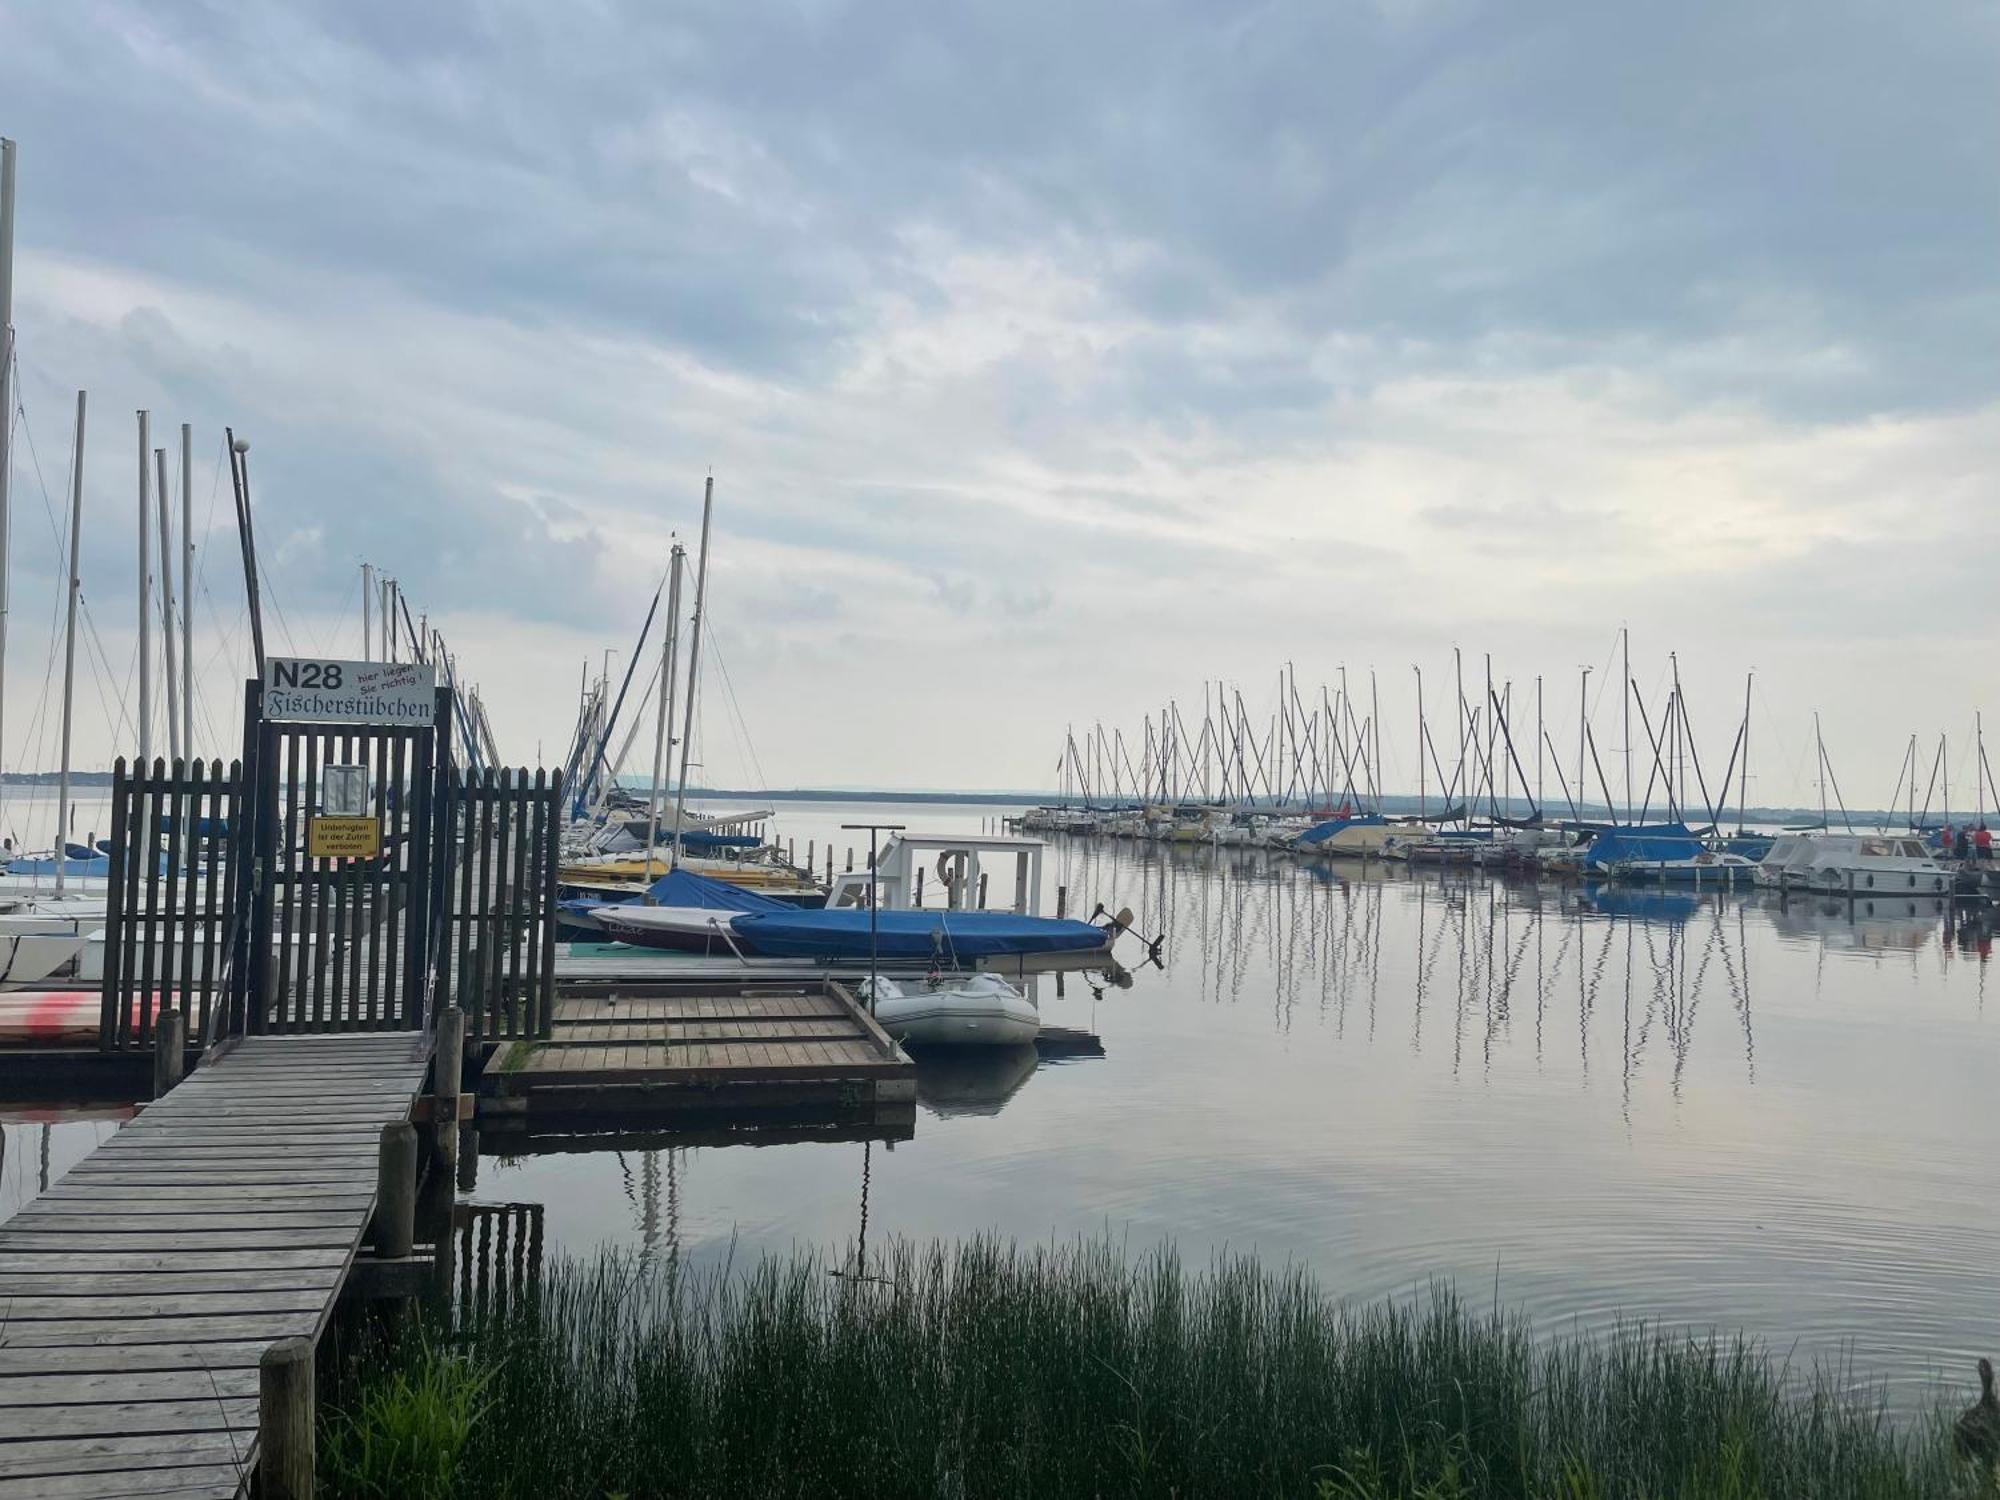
975,1370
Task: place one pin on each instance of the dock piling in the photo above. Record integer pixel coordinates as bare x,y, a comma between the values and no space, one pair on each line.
1062,901
395,1229
982,890
285,1449
169,1049
449,1063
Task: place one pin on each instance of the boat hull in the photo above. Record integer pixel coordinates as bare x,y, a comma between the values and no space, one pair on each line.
919,936
677,929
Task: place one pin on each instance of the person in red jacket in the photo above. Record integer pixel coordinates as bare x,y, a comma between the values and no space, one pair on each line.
1982,843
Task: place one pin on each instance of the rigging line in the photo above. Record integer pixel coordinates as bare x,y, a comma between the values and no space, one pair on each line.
121,724
59,533
220,649
208,523
746,743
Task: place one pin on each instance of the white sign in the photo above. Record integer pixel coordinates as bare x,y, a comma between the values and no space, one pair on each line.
343,791
322,691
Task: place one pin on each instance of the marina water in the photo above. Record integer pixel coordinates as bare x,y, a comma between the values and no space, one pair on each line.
1708,1111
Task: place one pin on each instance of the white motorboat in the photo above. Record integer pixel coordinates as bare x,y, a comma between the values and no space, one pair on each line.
1789,853
976,1010
1869,864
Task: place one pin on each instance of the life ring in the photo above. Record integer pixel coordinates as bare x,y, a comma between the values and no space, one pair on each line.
953,867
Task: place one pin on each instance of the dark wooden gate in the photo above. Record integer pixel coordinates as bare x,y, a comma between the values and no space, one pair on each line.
171,891
343,943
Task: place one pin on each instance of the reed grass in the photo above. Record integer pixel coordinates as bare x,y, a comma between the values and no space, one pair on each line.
977,1369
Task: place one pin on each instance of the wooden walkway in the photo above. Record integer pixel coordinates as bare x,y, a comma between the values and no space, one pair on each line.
748,1049
138,1293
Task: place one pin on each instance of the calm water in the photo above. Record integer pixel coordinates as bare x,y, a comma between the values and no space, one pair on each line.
1713,1112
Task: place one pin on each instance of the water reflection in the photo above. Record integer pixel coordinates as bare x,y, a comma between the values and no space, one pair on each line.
973,1080
1476,951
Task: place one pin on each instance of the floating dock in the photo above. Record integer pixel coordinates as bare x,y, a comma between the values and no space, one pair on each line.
624,1053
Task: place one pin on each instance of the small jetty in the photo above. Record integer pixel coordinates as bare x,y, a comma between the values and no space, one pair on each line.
142,1291
622,1053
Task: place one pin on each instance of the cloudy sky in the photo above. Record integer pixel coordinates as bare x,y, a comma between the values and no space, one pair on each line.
1051,360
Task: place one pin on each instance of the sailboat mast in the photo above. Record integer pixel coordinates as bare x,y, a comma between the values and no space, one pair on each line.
1375,755
1743,795
1625,667
1421,789
187,590
694,663
1819,749
6,399
1458,777
1582,732
145,597
668,668
69,638
167,604
1541,734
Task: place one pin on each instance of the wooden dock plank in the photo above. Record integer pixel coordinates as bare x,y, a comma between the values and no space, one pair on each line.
23,1310
194,1482
54,1218
60,1456
126,1418
59,1389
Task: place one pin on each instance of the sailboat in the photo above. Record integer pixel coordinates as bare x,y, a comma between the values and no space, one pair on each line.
620,854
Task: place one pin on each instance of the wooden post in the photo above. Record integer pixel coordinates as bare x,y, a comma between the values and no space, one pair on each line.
285,1455
920,885
448,1066
394,1231
982,890
812,862
472,993
1062,901
169,1049
468,1161
850,859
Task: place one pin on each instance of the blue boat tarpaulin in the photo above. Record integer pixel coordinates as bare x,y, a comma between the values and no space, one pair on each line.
912,934
686,888
683,888
1320,832
1650,843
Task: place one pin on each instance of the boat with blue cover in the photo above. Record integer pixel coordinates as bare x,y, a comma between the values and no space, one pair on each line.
954,937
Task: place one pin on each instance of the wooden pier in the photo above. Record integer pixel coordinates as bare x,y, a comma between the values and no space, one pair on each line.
746,1053
141,1291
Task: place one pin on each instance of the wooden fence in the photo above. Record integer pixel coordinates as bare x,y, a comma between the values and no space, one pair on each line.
499,953
172,888
459,900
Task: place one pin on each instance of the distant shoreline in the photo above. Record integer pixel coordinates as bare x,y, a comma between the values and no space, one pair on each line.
1862,818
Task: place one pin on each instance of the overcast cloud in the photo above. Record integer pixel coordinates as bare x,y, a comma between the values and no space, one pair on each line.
1050,359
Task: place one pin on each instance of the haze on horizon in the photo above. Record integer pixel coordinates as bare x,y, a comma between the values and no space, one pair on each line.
1051,361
